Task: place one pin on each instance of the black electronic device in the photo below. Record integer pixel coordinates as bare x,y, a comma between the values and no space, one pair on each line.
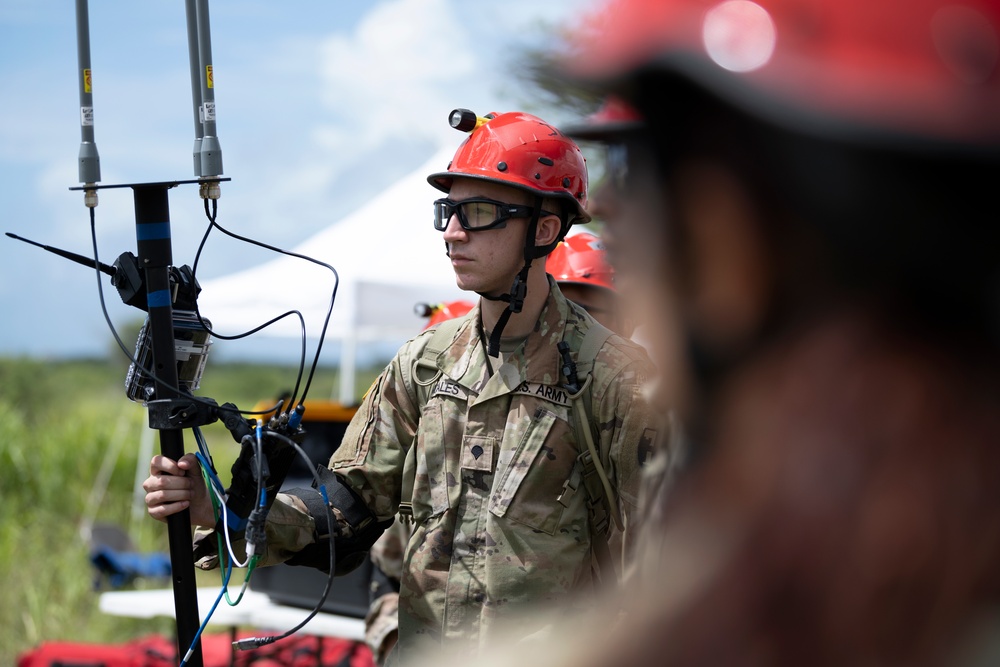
191,343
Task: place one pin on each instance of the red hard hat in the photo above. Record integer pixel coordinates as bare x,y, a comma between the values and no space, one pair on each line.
580,259
439,312
929,68
525,152
613,117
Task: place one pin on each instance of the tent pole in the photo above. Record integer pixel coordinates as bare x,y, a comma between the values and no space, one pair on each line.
348,356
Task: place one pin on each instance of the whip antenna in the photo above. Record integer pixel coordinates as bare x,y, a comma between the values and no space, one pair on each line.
195,66
90,161
211,150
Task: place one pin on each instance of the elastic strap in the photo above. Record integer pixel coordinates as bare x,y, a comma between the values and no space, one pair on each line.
519,290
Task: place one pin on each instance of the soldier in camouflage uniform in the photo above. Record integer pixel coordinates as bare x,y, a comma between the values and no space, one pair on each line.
580,269
502,523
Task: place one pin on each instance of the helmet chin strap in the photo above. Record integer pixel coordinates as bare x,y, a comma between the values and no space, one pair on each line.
519,289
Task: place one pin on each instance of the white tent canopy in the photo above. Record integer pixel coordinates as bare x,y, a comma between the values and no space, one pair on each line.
388,257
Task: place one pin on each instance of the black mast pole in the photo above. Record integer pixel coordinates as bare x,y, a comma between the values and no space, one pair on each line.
152,224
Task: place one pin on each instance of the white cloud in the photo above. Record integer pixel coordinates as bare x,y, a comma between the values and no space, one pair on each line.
396,74
409,62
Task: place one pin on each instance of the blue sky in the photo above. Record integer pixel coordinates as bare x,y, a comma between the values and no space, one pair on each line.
320,104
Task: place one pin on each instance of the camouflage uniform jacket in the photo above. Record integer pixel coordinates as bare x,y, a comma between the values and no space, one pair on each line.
490,539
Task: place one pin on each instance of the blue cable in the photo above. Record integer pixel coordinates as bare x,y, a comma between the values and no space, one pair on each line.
208,617
205,459
202,455
216,482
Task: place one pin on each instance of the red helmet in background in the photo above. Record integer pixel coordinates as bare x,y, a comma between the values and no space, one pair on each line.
928,68
522,151
439,312
580,259
614,117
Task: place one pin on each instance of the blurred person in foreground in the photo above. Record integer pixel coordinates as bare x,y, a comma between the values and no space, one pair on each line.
813,204
605,130
512,437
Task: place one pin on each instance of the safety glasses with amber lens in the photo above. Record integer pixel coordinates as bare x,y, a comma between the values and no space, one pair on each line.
478,213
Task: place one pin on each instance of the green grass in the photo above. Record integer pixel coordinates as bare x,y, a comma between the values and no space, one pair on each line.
65,427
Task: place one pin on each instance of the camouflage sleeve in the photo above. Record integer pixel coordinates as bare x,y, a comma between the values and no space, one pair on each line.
289,528
370,457
382,626
382,619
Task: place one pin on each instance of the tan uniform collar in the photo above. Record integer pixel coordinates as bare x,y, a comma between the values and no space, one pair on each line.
465,360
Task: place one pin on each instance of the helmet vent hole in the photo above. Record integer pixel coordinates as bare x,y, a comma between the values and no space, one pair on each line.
502,166
546,161
566,182
538,176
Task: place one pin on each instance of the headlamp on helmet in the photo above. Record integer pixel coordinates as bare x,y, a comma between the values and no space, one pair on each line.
464,120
